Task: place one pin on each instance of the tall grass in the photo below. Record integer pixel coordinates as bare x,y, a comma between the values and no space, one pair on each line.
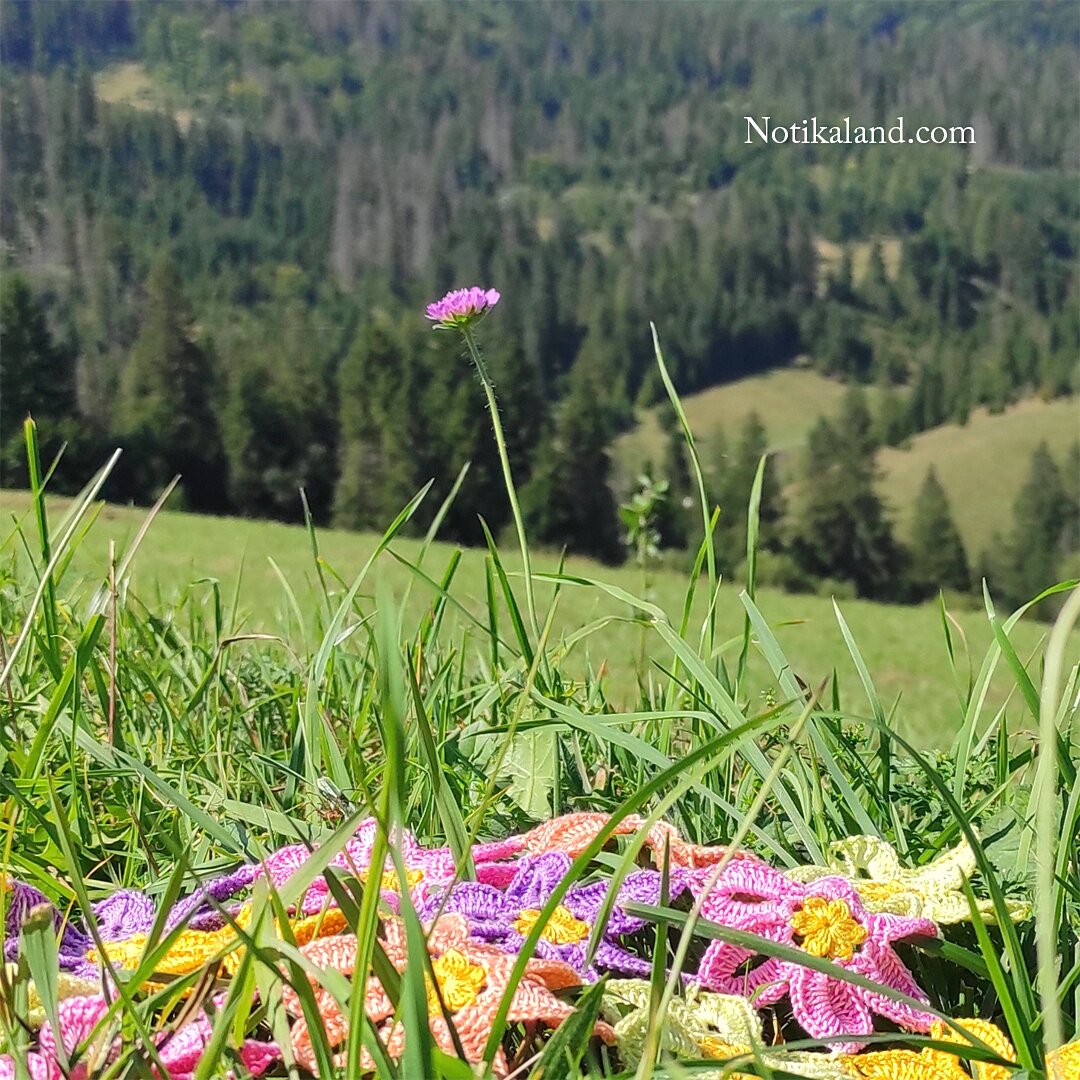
157,743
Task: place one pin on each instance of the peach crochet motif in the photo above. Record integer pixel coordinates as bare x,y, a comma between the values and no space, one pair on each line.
472,980
572,834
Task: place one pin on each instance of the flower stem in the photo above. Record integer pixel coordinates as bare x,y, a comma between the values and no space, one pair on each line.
511,490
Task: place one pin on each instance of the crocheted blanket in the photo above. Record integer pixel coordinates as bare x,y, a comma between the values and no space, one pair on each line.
734,1002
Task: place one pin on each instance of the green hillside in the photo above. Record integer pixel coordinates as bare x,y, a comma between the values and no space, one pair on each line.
788,400
982,464
268,569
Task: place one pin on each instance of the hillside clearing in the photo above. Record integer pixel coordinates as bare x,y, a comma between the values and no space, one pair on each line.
788,400
982,465
131,84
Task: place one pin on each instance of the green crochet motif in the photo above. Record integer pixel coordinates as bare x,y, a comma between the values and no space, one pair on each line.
933,891
704,1025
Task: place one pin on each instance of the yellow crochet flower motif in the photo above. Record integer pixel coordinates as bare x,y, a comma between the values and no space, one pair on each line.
828,928
933,1064
67,985
191,949
561,929
389,879
459,982
933,891
1064,1062
901,1065
712,1046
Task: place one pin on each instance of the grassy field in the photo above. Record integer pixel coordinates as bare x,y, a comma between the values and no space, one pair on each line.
228,694
252,561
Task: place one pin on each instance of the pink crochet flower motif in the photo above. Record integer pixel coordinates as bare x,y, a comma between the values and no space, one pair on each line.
461,306
353,858
826,919
180,1052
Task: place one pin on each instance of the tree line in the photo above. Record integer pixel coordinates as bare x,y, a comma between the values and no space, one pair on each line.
407,412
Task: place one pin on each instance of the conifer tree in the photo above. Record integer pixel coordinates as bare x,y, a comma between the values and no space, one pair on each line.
377,473
856,422
675,516
165,411
843,531
35,376
1070,538
1027,560
926,406
938,559
893,423
567,501
734,480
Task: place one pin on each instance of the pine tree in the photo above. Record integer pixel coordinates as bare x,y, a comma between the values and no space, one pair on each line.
938,559
675,517
893,424
857,423
877,288
843,532
1070,539
35,376
1027,560
927,407
378,473
734,482
568,502
165,412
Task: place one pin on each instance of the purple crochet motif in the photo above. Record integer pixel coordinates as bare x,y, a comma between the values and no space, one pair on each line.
120,916
19,900
506,918
22,898
218,889
425,868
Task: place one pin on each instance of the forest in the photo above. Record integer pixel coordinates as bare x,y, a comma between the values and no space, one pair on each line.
221,222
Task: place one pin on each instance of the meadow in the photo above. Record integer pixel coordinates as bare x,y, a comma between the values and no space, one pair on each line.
267,577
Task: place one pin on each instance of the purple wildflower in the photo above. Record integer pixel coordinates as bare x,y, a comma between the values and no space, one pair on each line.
458,308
